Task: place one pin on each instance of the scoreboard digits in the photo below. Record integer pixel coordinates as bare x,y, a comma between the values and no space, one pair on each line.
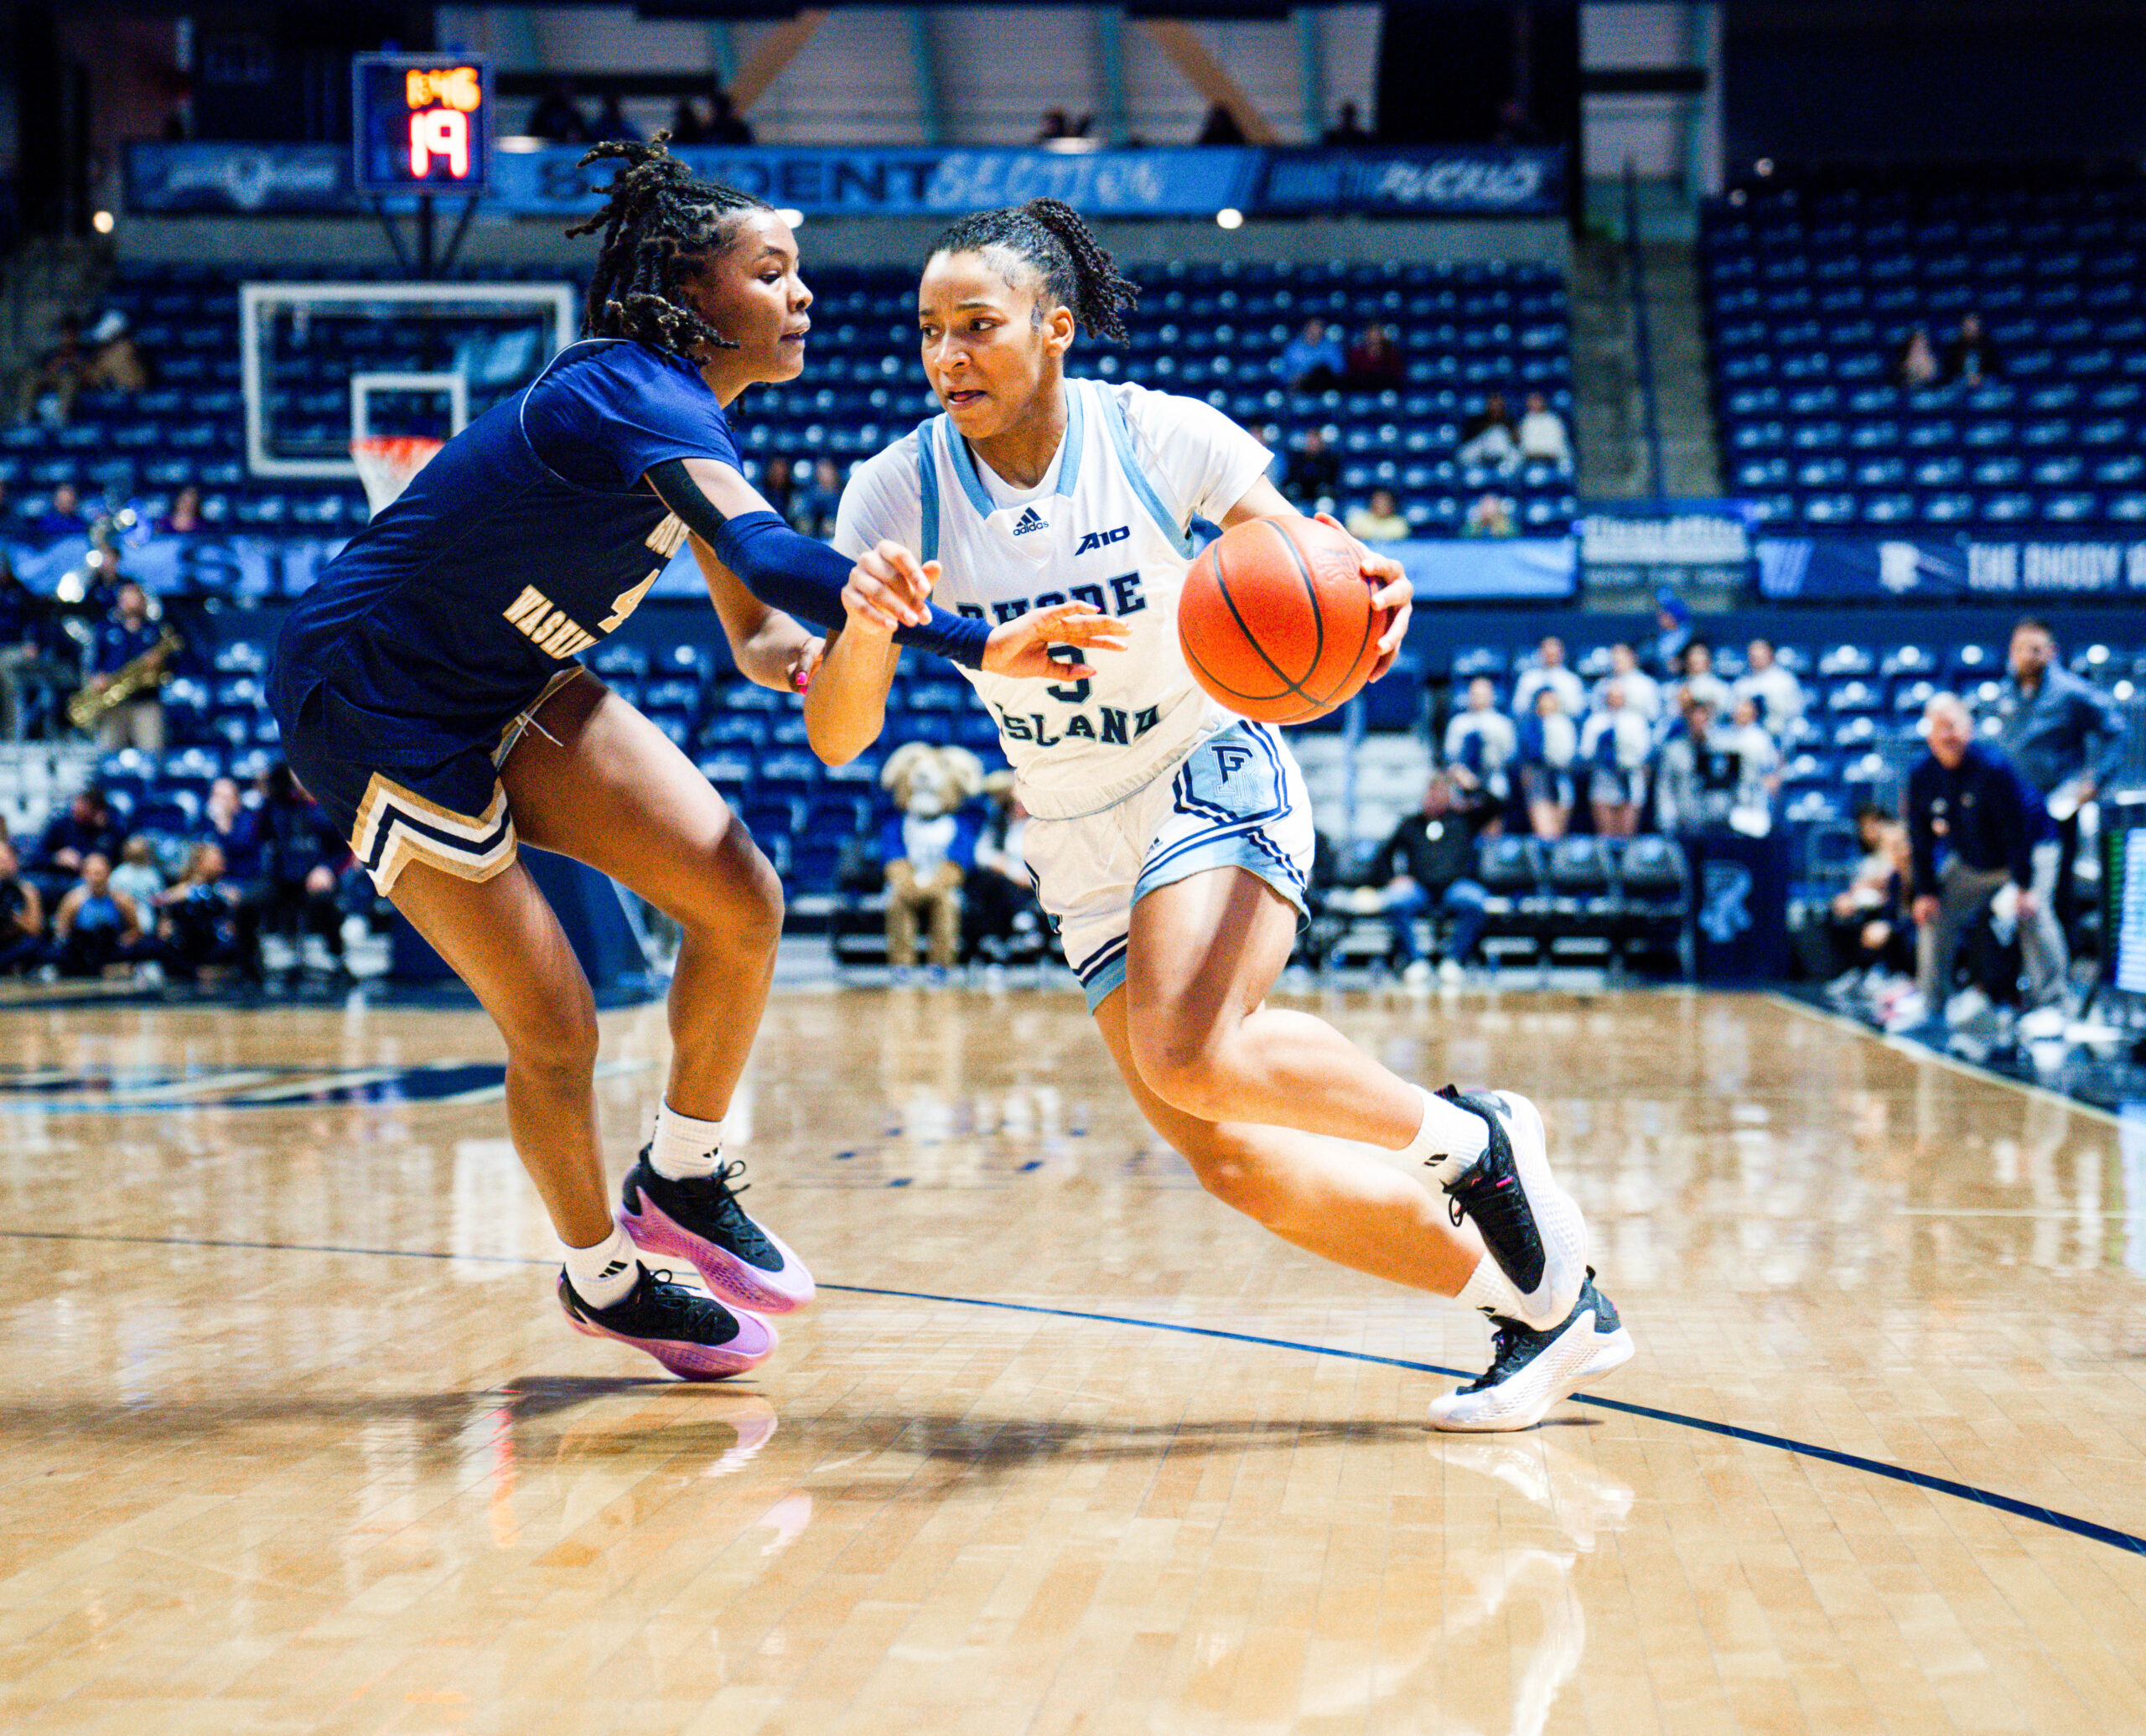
422,122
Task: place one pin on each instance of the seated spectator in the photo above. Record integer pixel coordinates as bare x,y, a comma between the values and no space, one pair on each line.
184,518
1375,361
128,635
1755,742
22,616
1492,515
1617,745
22,917
48,388
1379,521
1315,474
113,363
1831,948
1696,680
1488,440
1348,129
198,925
1970,358
1976,826
611,122
1701,783
1549,670
1427,866
1642,693
300,853
1548,744
94,927
778,484
1918,365
1220,127
998,893
1312,361
63,517
1779,694
1542,438
725,125
138,874
815,504
1479,745
84,827
558,119
1057,123
1672,619
689,125
233,828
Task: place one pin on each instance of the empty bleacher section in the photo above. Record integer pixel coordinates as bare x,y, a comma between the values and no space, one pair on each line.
1813,292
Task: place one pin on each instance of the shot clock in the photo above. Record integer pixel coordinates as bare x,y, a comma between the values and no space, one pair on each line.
423,122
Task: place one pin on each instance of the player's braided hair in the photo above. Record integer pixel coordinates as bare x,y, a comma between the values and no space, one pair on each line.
658,221
1049,234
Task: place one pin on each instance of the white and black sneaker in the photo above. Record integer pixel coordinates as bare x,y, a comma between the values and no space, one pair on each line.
1531,1371
1532,1226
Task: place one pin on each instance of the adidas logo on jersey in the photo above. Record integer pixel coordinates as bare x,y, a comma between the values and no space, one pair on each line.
1103,539
1031,520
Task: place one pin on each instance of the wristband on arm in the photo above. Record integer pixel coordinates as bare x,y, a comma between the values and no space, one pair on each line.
795,574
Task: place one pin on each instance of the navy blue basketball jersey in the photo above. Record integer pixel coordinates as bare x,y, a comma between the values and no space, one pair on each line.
529,537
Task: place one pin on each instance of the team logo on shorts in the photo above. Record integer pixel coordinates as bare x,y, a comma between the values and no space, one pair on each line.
1231,759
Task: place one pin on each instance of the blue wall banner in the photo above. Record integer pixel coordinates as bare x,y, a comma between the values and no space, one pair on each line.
1834,569
1166,181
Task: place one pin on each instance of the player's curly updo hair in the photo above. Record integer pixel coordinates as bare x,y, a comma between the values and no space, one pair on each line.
658,222
1076,271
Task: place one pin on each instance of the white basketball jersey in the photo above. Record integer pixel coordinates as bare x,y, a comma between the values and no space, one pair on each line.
1107,526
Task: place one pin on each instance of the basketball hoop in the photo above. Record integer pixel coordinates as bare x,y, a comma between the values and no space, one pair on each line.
387,462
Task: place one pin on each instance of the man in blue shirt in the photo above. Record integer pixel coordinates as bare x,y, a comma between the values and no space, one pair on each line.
1975,826
2064,734
129,633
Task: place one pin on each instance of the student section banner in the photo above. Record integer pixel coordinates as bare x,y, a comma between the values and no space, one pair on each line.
1168,181
1854,569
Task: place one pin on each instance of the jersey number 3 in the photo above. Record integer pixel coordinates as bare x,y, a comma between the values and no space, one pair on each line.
664,541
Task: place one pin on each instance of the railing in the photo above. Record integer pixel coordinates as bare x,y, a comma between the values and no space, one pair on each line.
1642,333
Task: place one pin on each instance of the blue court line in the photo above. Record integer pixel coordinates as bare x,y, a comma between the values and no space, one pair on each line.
2077,1527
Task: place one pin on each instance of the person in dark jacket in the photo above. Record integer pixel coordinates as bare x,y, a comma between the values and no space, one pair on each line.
84,828
1975,827
22,918
1429,865
300,852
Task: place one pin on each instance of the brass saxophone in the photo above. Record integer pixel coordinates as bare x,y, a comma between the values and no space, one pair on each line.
143,674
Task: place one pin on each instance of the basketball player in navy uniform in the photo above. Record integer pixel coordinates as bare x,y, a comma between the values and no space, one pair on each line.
1170,840
430,697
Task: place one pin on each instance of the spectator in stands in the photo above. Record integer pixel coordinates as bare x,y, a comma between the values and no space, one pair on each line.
1375,361
114,363
998,893
1754,742
611,122
557,118
818,502
1348,129
725,125
1492,515
184,518
1488,440
138,874
84,828
1696,680
1313,477
47,390
1976,826
2065,737
63,517
1672,620
1779,694
1479,746
1426,867
233,828
1642,693
1057,123
689,125
1312,361
1918,365
778,486
94,927
1549,670
1380,519
1702,783
1220,127
300,852
22,917
198,924
1617,746
126,636
1548,745
1970,358
1831,947
25,692
1542,437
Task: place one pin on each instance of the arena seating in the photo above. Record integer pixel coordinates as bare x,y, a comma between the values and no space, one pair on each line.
1811,293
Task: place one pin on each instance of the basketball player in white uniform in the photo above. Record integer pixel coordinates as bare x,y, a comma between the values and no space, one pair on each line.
1170,840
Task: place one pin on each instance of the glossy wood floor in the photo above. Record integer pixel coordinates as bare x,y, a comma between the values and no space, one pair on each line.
293,1437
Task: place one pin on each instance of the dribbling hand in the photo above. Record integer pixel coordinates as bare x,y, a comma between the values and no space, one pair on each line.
1394,591
889,588
1022,647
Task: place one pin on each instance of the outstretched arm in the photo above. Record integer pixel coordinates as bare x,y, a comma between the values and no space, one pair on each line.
769,648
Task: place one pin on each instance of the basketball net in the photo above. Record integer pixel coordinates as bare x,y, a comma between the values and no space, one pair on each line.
387,462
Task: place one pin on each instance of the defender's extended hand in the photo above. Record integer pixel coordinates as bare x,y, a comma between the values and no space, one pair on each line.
1022,647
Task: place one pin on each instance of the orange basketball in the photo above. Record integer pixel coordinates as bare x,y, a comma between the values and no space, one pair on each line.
1275,619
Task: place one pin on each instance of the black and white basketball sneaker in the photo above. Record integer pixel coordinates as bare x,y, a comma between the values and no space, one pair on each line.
1532,1226
700,1221
1531,1371
689,1334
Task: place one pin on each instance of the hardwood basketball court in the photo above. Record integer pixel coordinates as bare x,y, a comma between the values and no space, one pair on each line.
293,1437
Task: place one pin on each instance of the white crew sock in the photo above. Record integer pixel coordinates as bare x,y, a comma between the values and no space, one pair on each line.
602,1276
1489,1289
1450,1139
684,1149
